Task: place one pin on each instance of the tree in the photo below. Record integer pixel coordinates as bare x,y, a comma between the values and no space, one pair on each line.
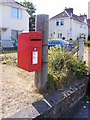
31,10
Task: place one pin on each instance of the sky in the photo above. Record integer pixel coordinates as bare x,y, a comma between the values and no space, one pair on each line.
54,7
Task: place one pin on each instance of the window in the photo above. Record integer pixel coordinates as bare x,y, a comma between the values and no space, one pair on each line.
51,35
14,34
62,22
81,26
59,35
16,12
85,26
20,13
68,35
57,23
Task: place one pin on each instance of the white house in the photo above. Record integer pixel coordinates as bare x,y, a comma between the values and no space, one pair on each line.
14,19
68,25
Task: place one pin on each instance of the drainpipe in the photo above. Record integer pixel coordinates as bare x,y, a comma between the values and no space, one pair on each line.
71,25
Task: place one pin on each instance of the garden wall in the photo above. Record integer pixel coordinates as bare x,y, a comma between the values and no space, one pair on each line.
58,104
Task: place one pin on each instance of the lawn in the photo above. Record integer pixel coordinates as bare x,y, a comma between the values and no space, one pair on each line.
17,86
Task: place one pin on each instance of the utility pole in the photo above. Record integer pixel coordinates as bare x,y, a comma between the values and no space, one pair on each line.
42,25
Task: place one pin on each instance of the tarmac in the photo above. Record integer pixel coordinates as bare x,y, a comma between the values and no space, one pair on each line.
80,112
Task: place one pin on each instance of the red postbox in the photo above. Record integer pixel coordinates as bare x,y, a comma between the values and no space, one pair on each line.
29,51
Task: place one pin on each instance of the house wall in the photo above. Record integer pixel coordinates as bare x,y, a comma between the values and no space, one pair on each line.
71,27
14,23
88,30
78,29
65,29
1,15
11,23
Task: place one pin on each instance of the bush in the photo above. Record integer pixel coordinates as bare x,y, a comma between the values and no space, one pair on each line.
63,68
87,43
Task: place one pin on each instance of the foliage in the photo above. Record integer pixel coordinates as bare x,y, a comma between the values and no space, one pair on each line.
9,50
63,68
87,43
31,10
87,98
77,67
9,59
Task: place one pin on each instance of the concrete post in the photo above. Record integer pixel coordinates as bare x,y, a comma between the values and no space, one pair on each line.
42,24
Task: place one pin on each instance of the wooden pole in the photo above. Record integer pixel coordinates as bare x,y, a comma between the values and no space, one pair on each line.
42,24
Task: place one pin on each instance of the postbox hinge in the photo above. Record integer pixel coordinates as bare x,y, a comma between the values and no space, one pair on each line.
44,44
44,62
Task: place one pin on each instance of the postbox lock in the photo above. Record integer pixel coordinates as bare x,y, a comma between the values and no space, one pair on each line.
35,49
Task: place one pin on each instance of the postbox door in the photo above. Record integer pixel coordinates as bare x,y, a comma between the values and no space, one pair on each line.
35,59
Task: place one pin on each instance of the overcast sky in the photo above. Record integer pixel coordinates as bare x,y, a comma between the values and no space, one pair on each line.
53,7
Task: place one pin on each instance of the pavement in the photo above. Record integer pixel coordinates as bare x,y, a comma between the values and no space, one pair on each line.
80,112
83,111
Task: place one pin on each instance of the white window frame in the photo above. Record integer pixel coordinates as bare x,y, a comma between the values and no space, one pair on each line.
62,21
57,21
59,35
18,12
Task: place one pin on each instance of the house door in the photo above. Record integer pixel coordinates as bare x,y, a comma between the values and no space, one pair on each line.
0,38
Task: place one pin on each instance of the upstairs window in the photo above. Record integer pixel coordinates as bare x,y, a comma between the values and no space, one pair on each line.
62,22
57,23
19,13
16,12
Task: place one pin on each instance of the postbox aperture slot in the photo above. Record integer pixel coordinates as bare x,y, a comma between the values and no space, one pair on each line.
35,39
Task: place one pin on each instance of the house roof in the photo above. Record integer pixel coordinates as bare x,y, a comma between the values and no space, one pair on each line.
77,18
68,12
61,15
88,20
12,3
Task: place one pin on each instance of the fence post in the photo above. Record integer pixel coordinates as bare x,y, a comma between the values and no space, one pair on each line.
81,49
42,24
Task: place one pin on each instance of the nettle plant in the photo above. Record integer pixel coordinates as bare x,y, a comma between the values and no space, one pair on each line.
63,68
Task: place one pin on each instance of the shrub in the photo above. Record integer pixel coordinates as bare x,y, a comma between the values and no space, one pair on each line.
63,68
87,43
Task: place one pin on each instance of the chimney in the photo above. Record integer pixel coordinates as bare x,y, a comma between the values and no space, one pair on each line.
83,15
69,10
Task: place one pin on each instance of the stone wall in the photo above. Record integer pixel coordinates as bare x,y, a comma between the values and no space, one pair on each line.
58,105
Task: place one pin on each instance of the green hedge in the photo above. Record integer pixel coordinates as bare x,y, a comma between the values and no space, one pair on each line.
87,43
63,68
